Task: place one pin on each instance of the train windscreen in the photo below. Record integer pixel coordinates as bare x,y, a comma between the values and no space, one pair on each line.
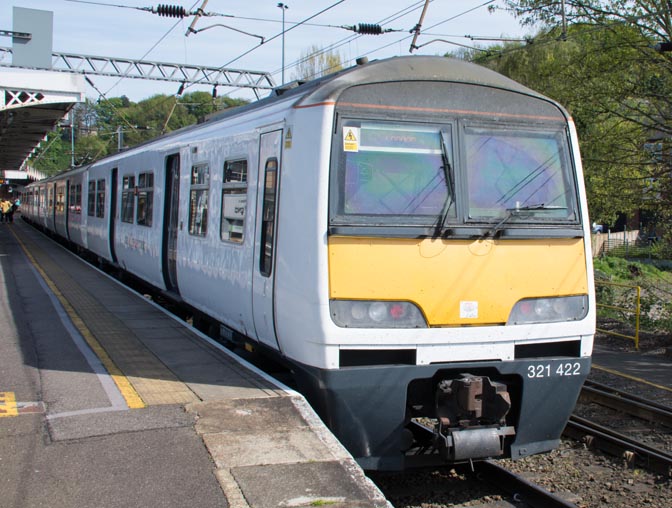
458,173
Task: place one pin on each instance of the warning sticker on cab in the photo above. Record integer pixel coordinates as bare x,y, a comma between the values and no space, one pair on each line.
351,139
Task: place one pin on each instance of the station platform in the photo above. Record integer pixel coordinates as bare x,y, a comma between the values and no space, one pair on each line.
106,400
653,369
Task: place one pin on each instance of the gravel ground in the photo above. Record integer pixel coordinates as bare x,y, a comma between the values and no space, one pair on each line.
586,477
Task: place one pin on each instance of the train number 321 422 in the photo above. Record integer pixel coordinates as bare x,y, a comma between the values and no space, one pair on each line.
549,370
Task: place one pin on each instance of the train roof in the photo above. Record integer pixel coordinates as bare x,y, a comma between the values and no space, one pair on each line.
414,68
404,68
329,88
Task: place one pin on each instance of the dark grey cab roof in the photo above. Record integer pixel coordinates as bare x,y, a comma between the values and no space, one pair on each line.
419,68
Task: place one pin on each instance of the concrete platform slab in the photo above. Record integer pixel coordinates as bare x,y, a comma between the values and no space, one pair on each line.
300,485
212,422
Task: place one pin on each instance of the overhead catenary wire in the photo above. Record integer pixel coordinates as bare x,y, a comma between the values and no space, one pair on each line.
273,38
406,11
116,111
307,22
347,40
451,18
178,11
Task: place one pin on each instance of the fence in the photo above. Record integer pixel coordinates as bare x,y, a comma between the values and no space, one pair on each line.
617,301
604,243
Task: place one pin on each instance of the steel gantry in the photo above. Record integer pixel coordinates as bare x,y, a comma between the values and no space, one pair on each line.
257,81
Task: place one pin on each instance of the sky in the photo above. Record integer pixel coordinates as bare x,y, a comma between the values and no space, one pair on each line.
117,28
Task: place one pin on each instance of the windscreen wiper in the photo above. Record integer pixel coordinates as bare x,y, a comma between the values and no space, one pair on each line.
517,212
449,177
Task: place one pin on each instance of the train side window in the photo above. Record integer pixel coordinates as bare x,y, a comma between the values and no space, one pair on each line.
100,199
145,193
198,199
128,199
234,201
75,199
60,199
91,203
71,199
268,216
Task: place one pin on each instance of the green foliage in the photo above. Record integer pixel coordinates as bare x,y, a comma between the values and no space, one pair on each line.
613,84
316,62
656,292
616,269
616,86
100,128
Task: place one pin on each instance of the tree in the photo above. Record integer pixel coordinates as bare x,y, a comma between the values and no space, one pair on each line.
317,62
598,74
101,126
201,104
619,90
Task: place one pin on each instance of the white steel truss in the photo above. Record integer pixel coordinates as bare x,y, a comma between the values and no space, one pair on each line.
158,71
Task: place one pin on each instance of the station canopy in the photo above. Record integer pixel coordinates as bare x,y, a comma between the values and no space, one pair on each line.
31,105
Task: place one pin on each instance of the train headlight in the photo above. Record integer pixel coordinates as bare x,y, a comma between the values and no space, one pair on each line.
376,314
549,310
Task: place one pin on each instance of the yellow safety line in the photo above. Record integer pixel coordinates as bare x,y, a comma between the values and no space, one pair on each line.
8,404
133,399
632,378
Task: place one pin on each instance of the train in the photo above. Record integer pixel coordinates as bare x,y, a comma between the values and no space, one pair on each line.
410,235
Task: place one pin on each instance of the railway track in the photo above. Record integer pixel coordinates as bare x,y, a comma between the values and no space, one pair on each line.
520,489
485,483
482,480
625,402
615,443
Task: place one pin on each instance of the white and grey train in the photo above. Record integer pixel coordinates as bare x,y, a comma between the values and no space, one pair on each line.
411,235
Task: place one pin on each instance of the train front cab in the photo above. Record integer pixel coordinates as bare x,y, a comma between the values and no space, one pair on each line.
460,279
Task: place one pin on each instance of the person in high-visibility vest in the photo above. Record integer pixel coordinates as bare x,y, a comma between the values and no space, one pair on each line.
5,206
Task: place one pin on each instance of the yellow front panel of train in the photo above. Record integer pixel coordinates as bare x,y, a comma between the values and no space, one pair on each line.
456,282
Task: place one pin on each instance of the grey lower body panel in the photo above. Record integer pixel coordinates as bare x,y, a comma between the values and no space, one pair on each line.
368,408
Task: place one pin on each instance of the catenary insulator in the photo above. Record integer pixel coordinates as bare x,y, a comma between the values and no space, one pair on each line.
369,29
171,11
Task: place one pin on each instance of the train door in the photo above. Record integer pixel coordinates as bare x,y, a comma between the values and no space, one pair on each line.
170,222
113,212
265,241
68,207
51,218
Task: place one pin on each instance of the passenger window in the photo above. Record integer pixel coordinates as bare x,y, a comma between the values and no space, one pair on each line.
100,199
268,217
91,204
198,200
234,201
145,193
60,199
75,199
128,199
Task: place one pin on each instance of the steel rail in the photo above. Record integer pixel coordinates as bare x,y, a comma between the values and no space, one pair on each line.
618,444
520,488
627,403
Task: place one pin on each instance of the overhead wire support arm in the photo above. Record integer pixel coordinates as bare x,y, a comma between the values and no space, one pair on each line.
416,29
199,13
230,28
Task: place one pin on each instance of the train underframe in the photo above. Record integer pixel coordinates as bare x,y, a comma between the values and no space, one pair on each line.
398,417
